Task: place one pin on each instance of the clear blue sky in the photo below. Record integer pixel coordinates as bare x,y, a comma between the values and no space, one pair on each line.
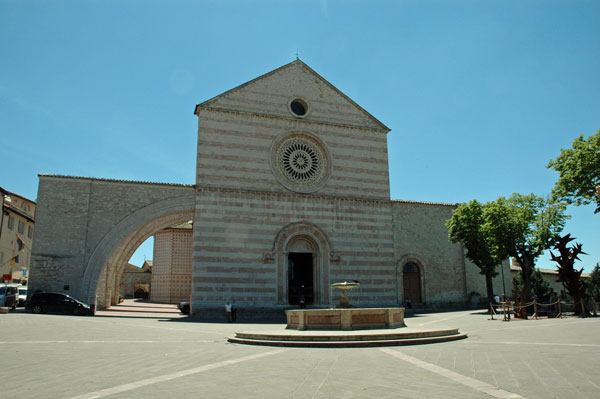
479,95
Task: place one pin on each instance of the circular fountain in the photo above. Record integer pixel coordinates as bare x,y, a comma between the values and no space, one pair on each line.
345,316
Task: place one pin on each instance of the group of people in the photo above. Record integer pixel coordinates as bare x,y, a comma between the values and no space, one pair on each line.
231,311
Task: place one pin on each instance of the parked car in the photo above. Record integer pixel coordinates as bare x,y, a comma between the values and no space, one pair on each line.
184,307
50,302
9,295
22,295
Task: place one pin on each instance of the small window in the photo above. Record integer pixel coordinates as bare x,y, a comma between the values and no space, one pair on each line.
21,227
299,107
30,231
11,222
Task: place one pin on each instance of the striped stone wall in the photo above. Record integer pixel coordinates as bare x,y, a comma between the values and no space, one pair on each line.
240,247
234,152
236,133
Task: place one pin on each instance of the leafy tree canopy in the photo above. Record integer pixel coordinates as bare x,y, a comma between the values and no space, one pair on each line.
524,226
467,226
579,172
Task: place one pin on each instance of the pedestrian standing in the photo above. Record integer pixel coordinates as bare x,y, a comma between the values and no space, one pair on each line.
233,311
228,311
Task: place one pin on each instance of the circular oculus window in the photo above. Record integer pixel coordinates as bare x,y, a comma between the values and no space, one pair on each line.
298,107
300,163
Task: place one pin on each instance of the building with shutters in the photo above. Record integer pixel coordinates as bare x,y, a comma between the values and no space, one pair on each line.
16,233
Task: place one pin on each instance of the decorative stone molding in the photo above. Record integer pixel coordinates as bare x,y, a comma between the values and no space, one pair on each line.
268,257
276,194
285,240
292,119
334,257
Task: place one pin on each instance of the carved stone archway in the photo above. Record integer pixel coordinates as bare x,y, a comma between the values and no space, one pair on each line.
309,237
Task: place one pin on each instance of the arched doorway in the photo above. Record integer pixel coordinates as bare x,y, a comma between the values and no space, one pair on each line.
411,281
306,248
301,256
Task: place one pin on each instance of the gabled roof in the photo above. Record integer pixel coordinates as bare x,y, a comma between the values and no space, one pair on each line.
297,62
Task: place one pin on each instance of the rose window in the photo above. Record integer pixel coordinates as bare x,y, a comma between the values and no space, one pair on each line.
300,163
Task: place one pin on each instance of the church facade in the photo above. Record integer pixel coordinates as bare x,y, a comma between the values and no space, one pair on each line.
291,195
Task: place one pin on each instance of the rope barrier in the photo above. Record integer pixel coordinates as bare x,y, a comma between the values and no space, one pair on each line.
519,310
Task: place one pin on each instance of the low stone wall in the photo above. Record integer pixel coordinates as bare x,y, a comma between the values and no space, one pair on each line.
345,319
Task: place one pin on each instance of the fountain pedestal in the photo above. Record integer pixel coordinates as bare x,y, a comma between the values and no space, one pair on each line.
345,319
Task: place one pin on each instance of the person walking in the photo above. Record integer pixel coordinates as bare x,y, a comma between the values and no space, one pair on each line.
228,311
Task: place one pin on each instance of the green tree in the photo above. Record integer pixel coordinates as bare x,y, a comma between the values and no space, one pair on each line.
579,172
595,283
523,227
466,226
540,287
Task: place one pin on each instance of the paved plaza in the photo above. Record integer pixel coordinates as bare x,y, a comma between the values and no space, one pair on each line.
163,355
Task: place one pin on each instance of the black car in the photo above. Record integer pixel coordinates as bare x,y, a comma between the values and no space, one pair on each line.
49,302
184,307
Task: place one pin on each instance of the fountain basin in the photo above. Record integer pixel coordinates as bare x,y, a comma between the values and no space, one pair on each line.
345,319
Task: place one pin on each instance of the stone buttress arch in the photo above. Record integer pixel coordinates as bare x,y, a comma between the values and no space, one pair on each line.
416,259
320,242
120,242
118,260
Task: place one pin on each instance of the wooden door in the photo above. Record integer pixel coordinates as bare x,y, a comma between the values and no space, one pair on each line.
411,279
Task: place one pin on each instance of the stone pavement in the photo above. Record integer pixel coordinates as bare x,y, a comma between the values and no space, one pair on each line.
51,356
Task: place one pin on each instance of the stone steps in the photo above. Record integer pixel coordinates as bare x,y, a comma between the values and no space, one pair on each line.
348,340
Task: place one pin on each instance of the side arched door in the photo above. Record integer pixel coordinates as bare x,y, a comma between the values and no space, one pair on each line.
411,279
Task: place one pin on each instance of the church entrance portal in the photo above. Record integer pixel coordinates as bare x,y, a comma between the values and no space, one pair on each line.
412,282
300,278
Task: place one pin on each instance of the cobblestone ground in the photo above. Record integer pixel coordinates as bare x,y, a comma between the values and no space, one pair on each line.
52,356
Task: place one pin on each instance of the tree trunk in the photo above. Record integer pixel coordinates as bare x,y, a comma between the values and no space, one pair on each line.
527,268
489,287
